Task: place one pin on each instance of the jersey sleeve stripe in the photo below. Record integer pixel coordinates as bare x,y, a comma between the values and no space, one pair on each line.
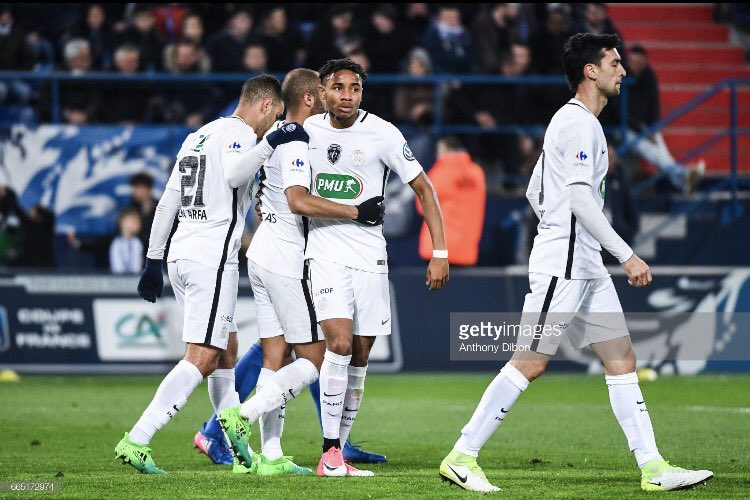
571,246
220,271
363,118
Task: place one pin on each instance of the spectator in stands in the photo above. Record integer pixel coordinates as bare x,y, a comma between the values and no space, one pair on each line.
416,20
460,185
93,27
282,41
644,111
334,37
37,231
126,103
79,101
168,20
414,102
493,35
255,58
619,204
192,29
186,56
385,43
143,202
142,33
449,43
15,54
547,44
126,250
227,48
192,104
596,20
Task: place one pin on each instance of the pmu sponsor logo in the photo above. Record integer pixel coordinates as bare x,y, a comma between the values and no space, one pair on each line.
51,322
338,186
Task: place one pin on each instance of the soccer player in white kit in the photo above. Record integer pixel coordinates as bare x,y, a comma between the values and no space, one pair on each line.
286,318
569,283
351,153
209,189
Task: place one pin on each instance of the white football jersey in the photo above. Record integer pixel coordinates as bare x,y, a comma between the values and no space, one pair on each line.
279,243
212,214
350,166
574,151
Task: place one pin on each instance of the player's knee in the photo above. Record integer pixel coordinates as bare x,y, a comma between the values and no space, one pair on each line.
228,360
340,346
530,369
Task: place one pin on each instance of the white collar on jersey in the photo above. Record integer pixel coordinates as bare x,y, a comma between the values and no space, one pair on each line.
235,116
579,103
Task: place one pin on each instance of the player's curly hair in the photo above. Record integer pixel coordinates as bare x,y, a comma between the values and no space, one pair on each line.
582,49
334,65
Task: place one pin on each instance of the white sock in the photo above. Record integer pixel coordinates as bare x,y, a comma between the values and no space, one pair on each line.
221,389
629,407
494,405
271,423
282,386
355,390
333,382
171,395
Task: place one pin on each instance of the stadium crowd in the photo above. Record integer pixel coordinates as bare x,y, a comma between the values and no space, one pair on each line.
416,39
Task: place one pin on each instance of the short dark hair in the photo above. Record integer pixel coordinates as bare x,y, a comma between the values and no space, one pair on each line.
297,83
452,143
142,179
261,87
127,211
582,49
333,66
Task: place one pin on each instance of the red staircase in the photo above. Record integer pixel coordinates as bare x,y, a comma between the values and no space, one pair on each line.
690,52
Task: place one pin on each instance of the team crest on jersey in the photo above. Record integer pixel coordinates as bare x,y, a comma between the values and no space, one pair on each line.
407,153
334,153
290,127
358,157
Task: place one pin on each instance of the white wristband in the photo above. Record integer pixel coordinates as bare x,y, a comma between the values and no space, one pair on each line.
440,254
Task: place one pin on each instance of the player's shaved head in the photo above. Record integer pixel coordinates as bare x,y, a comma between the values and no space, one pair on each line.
297,83
260,87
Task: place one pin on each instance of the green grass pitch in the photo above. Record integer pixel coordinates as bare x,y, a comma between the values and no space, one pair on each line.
561,439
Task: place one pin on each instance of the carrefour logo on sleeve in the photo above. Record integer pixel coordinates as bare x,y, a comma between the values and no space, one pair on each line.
340,186
582,156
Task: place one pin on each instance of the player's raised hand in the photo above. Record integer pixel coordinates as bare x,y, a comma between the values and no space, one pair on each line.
370,212
288,133
639,274
151,284
437,273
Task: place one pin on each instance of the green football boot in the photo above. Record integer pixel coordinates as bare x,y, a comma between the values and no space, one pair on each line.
237,430
238,468
137,455
658,475
282,465
463,471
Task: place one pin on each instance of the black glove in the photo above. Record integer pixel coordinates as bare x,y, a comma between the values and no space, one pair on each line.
287,133
151,284
370,212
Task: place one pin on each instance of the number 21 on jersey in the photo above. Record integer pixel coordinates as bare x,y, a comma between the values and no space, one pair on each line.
193,170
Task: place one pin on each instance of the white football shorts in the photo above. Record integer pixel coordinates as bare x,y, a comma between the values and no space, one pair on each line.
284,306
206,302
586,311
344,292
